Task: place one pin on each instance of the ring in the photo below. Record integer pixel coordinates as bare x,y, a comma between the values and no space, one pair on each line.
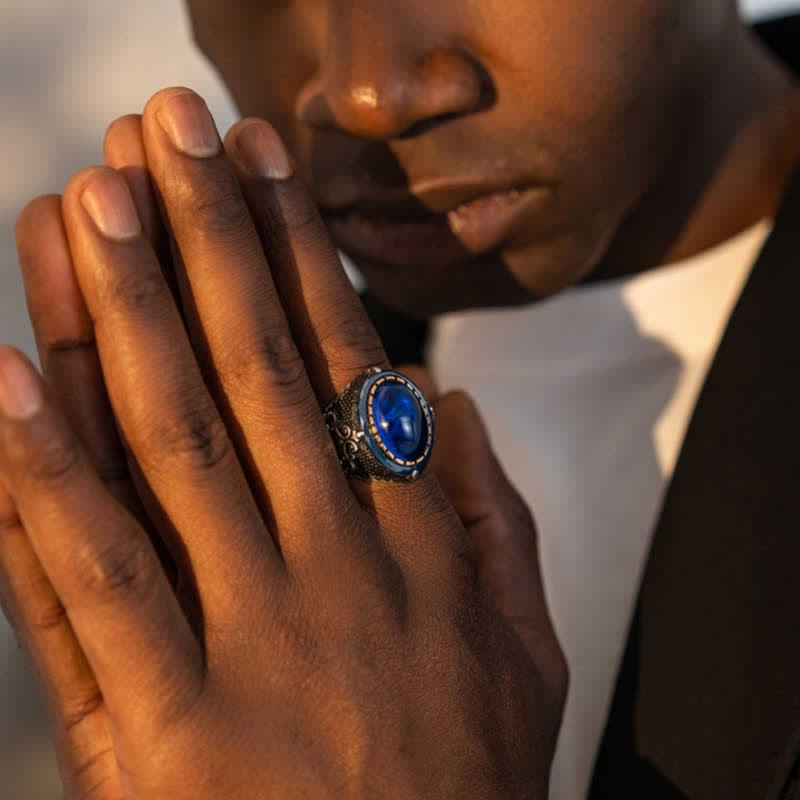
382,427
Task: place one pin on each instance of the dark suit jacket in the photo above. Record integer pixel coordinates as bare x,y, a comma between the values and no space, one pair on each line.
707,703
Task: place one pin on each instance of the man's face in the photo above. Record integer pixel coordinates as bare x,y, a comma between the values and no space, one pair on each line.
468,152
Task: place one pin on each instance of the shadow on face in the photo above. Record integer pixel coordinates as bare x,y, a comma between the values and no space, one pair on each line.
485,154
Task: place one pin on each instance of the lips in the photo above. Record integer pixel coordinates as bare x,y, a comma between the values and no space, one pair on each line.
486,222
403,230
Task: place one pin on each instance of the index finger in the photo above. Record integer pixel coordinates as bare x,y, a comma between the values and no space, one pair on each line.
328,321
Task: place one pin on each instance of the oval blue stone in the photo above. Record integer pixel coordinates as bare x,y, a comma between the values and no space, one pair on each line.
400,421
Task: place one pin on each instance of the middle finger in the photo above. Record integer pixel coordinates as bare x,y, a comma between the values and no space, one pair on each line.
241,329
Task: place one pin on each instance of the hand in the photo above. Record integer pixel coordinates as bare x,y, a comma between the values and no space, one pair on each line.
346,639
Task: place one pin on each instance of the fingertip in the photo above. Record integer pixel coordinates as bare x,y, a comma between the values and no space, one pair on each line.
79,181
258,149
161,96
107,199
123,144
463,452
180,112
21,392
423,379
230,137
41,212
9,353
124,150
462,400
463,414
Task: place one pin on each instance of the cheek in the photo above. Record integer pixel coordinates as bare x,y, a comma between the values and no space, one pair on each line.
582,58
593,87
590,78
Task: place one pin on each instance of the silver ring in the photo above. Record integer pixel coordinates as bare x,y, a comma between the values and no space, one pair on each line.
382,427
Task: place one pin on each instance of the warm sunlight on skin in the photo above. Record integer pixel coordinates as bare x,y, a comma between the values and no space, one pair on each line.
376,100
214,607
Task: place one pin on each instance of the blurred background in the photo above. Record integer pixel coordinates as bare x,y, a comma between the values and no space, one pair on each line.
66,70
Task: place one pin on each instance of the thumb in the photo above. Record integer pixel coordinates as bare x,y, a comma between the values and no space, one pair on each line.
500,526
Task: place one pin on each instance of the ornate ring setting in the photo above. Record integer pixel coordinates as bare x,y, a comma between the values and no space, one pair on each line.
382,427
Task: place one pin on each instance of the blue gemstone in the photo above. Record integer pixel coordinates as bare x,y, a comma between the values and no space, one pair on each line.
400,421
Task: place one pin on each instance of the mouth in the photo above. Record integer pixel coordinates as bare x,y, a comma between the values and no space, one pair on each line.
436,225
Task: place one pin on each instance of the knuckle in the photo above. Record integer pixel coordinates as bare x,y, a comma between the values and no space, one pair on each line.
104,789
71,345
216,207
298,216
113,469
302,217
464,571
299,641
9,517
81,705
349,342
86,766
283,226
124,566
53,461
271,358
198,435
279,357
136,289
49,617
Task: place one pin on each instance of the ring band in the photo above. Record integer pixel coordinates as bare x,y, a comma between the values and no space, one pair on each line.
382,427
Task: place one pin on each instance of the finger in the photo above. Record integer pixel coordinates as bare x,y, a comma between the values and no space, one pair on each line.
260,376
65,342
328,322
74,700
123,150
501,529
98,560
423,379
165,412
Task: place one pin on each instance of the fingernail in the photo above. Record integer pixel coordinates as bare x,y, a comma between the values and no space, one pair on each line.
262,153
108,202
187,121
20,390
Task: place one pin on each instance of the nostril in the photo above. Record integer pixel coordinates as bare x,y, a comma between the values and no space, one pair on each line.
425,125
455,85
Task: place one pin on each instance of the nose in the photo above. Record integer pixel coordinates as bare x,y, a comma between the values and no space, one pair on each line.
377,82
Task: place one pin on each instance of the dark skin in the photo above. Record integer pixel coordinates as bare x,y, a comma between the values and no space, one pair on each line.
328,638
654,129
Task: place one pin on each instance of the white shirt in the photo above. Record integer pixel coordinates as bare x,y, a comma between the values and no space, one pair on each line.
587,397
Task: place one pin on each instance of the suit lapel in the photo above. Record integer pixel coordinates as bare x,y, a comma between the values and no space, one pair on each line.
717,696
